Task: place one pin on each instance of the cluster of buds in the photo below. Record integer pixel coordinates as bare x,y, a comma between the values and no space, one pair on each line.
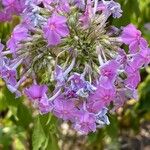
75,59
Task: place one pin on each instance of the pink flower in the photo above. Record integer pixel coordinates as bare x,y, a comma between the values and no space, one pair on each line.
11,7
55,29
44,105
64,108
133,80
94,104
8,2
85,19
8,74
132,37
14,6
109,69
19,33
36,92
102,97
142,58
85,122
106,92
133,74
5,15
63,6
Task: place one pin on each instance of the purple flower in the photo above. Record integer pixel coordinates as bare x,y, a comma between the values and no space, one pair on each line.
133,79
12,45
27,21
101,118
82,77
120,98
12,7
141,58
122,57
8,73
80,3
55,29
79,86
59,76
109,69
77,81
144,54
101,7
70,93
19,34
44,105
64,108
133,74
131,67
14,90
85,122
5,15
85,19
8,2
63,6
36,92
105,92
122,95
132,37
94,104
113,8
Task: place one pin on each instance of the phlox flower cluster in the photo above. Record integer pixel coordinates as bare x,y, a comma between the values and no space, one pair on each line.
67,59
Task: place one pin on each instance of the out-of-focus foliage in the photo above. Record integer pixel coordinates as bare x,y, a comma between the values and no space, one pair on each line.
21,128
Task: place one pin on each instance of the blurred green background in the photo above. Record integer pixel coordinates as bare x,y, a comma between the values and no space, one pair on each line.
21,128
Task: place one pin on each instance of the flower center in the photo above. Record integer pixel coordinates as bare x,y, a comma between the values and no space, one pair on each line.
108,73
65,112
107,97
52,26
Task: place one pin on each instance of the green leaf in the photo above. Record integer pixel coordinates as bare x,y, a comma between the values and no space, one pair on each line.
38,136
96,140
112,129
10,98
130,13
93,138
6,141
45,119
112,133
24,116
49,123
53,142
3,104
144,89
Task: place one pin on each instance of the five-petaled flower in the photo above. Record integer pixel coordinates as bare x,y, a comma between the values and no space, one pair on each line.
55,29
